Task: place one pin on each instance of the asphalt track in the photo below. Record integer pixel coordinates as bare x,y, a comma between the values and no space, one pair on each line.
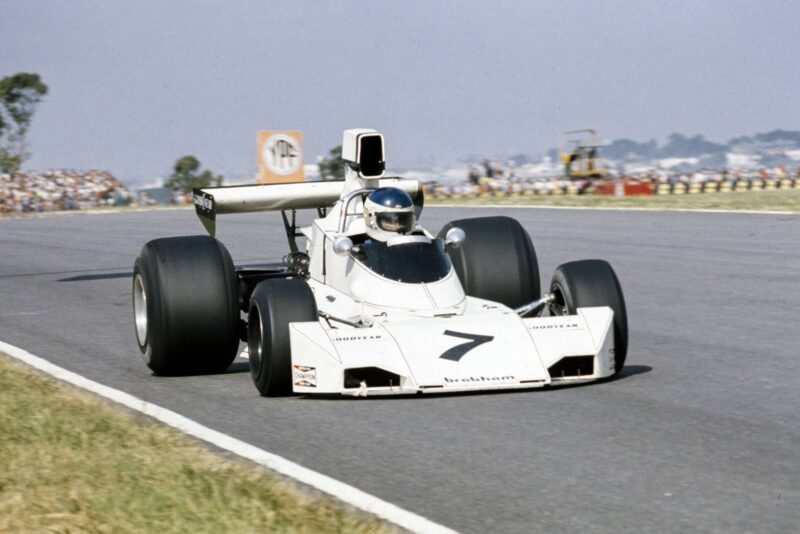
699,433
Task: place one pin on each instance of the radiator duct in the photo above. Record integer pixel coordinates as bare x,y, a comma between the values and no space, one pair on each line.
572,366
374,377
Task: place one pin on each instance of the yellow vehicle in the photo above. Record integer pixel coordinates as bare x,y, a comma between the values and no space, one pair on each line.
579,153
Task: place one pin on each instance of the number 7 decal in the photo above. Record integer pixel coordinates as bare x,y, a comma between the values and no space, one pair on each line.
458,352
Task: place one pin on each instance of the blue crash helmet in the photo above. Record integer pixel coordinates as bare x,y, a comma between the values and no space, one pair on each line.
388,212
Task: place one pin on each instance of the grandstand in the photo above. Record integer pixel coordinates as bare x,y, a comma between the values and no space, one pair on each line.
56,190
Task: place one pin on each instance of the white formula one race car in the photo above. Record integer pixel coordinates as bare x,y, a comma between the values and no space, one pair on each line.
375,304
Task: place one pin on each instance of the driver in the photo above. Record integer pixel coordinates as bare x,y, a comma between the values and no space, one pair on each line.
388,212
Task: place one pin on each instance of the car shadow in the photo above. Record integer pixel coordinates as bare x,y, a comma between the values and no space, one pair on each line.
128,274
234,368
237,367
628,371
98,276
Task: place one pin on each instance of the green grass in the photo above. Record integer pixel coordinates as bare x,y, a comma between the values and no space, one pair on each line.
71,462
777,200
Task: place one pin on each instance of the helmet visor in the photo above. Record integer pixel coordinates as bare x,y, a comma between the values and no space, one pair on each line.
395,221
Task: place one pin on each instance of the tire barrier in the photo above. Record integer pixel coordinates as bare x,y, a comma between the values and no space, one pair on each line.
725,187
470,191
467,191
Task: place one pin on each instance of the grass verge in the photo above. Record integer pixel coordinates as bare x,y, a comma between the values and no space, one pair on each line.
72,462
777,200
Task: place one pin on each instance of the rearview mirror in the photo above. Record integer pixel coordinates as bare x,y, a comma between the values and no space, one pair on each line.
342,246
454,237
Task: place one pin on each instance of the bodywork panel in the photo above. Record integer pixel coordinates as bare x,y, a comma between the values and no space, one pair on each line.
485,348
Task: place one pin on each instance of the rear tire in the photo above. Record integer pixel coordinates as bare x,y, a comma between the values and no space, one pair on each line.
587,283
496,261
186,305
276,303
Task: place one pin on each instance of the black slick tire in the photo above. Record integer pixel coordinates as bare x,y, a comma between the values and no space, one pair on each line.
587,283
186,305
276,303
496,261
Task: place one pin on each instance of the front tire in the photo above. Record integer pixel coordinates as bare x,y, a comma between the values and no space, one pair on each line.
186,305
587,283
276,303
496,261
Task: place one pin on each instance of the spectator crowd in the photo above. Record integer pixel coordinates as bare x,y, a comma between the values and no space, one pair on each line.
31,191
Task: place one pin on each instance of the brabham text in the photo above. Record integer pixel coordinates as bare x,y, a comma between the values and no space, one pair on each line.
509,378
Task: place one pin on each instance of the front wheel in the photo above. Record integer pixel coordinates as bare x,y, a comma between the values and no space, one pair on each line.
276,303
587,283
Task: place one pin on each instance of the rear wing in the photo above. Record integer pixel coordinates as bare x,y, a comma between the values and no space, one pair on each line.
212,201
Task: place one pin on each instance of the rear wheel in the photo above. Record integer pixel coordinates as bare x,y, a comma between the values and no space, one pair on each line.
587,283
496,261
276,303
186,305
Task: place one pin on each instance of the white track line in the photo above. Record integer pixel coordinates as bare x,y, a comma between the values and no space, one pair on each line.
607,208
340,490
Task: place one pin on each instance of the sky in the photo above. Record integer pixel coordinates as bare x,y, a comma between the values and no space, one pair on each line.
136,85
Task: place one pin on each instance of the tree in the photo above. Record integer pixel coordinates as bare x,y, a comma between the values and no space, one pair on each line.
185,177
19,96
332,167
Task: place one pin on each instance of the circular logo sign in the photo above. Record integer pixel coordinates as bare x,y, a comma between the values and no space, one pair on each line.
282,154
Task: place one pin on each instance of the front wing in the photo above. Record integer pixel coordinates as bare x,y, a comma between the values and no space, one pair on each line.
443,355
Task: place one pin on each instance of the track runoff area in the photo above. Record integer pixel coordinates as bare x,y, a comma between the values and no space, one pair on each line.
344,492
669,236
